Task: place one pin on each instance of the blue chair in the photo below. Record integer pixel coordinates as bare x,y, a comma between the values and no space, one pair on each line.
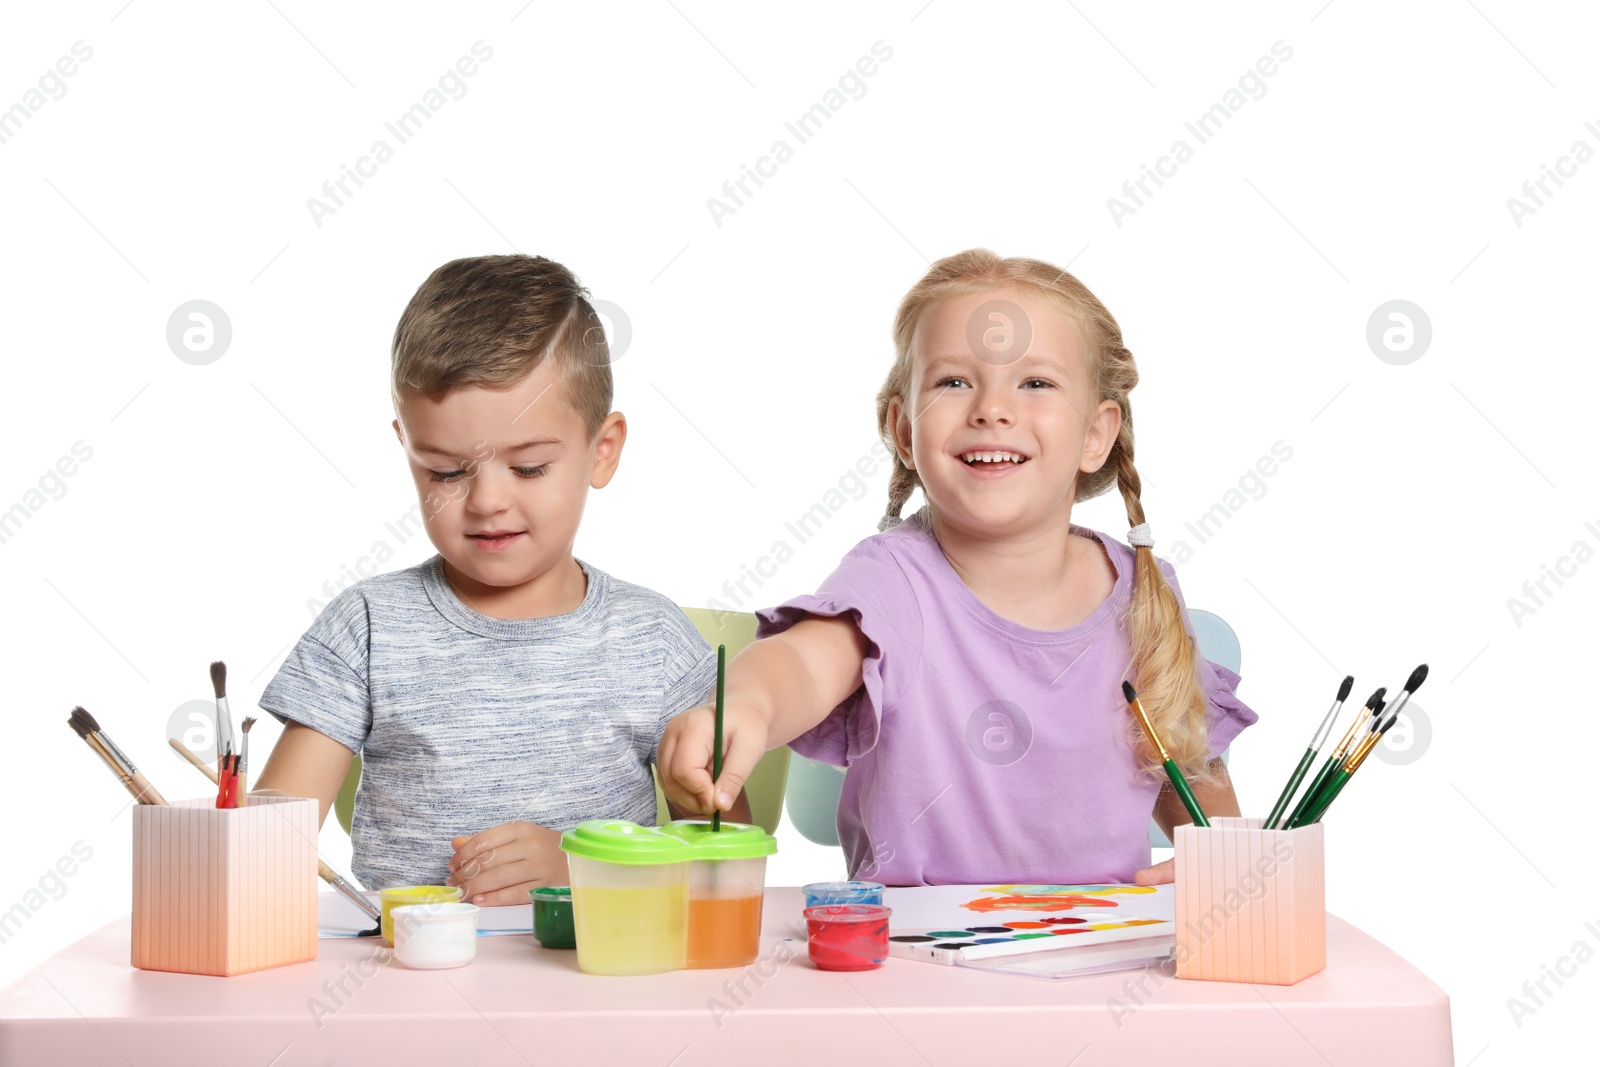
812,796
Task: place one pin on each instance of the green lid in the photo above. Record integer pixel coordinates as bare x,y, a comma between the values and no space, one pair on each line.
551,894
735,841
618,841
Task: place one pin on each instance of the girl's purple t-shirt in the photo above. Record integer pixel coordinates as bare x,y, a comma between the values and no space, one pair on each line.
978,750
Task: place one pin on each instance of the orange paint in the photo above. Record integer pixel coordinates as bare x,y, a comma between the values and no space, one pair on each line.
724,931
1022,902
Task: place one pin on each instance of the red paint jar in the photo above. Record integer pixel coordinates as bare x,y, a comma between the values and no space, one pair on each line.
847,937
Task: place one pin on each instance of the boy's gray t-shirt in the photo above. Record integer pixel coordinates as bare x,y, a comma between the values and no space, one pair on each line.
464,721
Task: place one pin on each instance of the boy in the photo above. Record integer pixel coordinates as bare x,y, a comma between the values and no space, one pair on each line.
504,690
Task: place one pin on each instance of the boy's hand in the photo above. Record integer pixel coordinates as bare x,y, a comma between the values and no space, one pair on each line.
683,759
499,865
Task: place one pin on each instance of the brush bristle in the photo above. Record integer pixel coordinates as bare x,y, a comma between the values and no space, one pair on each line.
79,721
219,679
1375,701
1128,693
1344,686
1377,709
249,721
86,719
1417,678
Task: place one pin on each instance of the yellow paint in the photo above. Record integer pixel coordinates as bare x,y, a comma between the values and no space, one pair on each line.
631,931
390,899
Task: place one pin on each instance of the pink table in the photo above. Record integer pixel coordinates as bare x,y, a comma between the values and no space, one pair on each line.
520,1004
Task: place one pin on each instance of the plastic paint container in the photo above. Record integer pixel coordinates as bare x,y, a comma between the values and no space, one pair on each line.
552,916
435,936
390,899
726,880
819,893
847,937
630,897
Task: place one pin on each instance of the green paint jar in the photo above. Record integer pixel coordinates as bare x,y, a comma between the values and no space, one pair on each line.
552,917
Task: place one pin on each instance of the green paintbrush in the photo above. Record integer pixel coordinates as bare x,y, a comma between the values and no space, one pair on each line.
1338,773
1369,715
1336,781
716,738
1311,752
1178,783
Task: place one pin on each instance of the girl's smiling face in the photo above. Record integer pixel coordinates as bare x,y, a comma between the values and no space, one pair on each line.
1000,413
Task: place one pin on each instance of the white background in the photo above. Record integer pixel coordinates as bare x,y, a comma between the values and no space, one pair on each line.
1377,165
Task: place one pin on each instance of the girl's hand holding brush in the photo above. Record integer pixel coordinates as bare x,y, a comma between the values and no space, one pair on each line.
684,759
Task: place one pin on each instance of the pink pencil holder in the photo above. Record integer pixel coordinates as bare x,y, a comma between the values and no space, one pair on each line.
224,890
1250,902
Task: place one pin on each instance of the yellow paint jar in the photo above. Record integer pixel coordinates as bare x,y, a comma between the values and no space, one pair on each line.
390,899
630,897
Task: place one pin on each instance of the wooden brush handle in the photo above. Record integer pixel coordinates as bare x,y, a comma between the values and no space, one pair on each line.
205,769
146,793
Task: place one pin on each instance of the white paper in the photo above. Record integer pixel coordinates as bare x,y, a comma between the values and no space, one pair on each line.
1094,914
337,917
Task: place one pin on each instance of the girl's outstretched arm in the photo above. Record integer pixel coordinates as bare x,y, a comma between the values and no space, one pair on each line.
776,690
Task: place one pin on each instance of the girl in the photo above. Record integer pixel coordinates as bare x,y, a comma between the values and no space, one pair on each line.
965,665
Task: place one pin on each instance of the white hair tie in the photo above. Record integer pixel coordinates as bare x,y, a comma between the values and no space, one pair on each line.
889,522
1140,537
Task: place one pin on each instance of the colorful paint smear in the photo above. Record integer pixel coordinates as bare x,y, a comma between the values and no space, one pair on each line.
1073,890
1052,897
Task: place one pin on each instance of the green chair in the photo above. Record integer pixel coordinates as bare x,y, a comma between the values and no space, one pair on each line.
765,789
767,783
814,787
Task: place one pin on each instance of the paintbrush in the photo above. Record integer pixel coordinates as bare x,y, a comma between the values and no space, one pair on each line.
85,726
1312,749
1178,783
1363,749
230,784
242,797
1368,718
1336,780
183,750
716,739
350,893
324,870
219,686
1413,683
1315,801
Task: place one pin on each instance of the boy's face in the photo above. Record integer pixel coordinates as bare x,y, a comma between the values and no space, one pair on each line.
503,475
1000,415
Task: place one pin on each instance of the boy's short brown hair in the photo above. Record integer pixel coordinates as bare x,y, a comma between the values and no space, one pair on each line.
490,320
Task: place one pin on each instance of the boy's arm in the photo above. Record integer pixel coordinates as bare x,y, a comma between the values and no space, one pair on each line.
305,763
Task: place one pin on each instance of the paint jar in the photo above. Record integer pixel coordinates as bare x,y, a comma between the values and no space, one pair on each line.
847,937
819,893
399,896
552,916
630,897
726,882
434,936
